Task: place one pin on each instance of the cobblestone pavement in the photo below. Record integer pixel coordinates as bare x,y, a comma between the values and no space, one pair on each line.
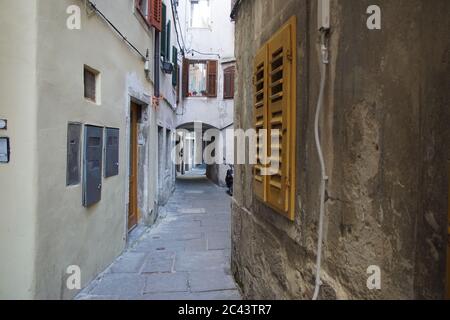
186,256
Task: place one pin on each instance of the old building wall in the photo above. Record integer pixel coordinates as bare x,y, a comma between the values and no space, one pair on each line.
386,141
18,177
67,233
212,42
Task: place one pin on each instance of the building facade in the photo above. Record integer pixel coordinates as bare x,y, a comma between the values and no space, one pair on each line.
385,138
208,68
87,95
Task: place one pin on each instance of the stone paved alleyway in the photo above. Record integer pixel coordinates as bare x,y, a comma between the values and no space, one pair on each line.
186,255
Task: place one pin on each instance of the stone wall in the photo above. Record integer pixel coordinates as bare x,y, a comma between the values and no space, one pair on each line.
386,140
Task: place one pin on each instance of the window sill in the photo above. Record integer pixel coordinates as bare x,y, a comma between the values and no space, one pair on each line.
92,101
198,98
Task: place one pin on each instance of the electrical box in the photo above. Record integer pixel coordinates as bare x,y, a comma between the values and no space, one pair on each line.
73,154
323,18
111,152
92,173
4,150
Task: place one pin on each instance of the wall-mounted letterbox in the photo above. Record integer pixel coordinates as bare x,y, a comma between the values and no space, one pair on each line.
111,152
92,177
4,150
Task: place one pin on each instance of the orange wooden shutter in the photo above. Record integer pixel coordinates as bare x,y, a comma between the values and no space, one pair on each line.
260,119
281,118
212,79
155,14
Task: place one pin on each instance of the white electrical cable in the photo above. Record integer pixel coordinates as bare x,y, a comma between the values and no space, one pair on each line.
324,178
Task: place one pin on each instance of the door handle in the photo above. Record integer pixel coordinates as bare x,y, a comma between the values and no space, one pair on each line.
99,186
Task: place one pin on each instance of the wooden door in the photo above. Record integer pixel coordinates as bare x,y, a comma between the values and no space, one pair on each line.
133,211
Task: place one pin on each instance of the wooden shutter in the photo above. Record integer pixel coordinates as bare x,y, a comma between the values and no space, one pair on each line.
155,14
185,81
175,66
177,88
281,117
168,41
212,79
228,83
260,119
163,32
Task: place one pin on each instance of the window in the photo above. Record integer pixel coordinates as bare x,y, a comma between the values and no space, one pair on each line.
200,78
91,81
144,8
200,14
151,11
228,83
274,109
197,79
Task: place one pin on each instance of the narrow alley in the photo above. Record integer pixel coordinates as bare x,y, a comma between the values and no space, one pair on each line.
185,256
250,150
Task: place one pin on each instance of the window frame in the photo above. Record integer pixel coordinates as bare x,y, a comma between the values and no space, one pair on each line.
97,85
191,22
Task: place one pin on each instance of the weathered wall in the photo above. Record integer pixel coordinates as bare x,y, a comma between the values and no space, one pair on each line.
386,139
18,178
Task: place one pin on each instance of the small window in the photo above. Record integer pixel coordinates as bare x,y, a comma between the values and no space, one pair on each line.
73,154
91,85
143,7
228,83
200,14
198,79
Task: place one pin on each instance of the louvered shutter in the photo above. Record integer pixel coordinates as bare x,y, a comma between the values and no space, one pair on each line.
168,41
228,83
163,32
185,82
281,118
175,66
212,79
155,14
260,120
